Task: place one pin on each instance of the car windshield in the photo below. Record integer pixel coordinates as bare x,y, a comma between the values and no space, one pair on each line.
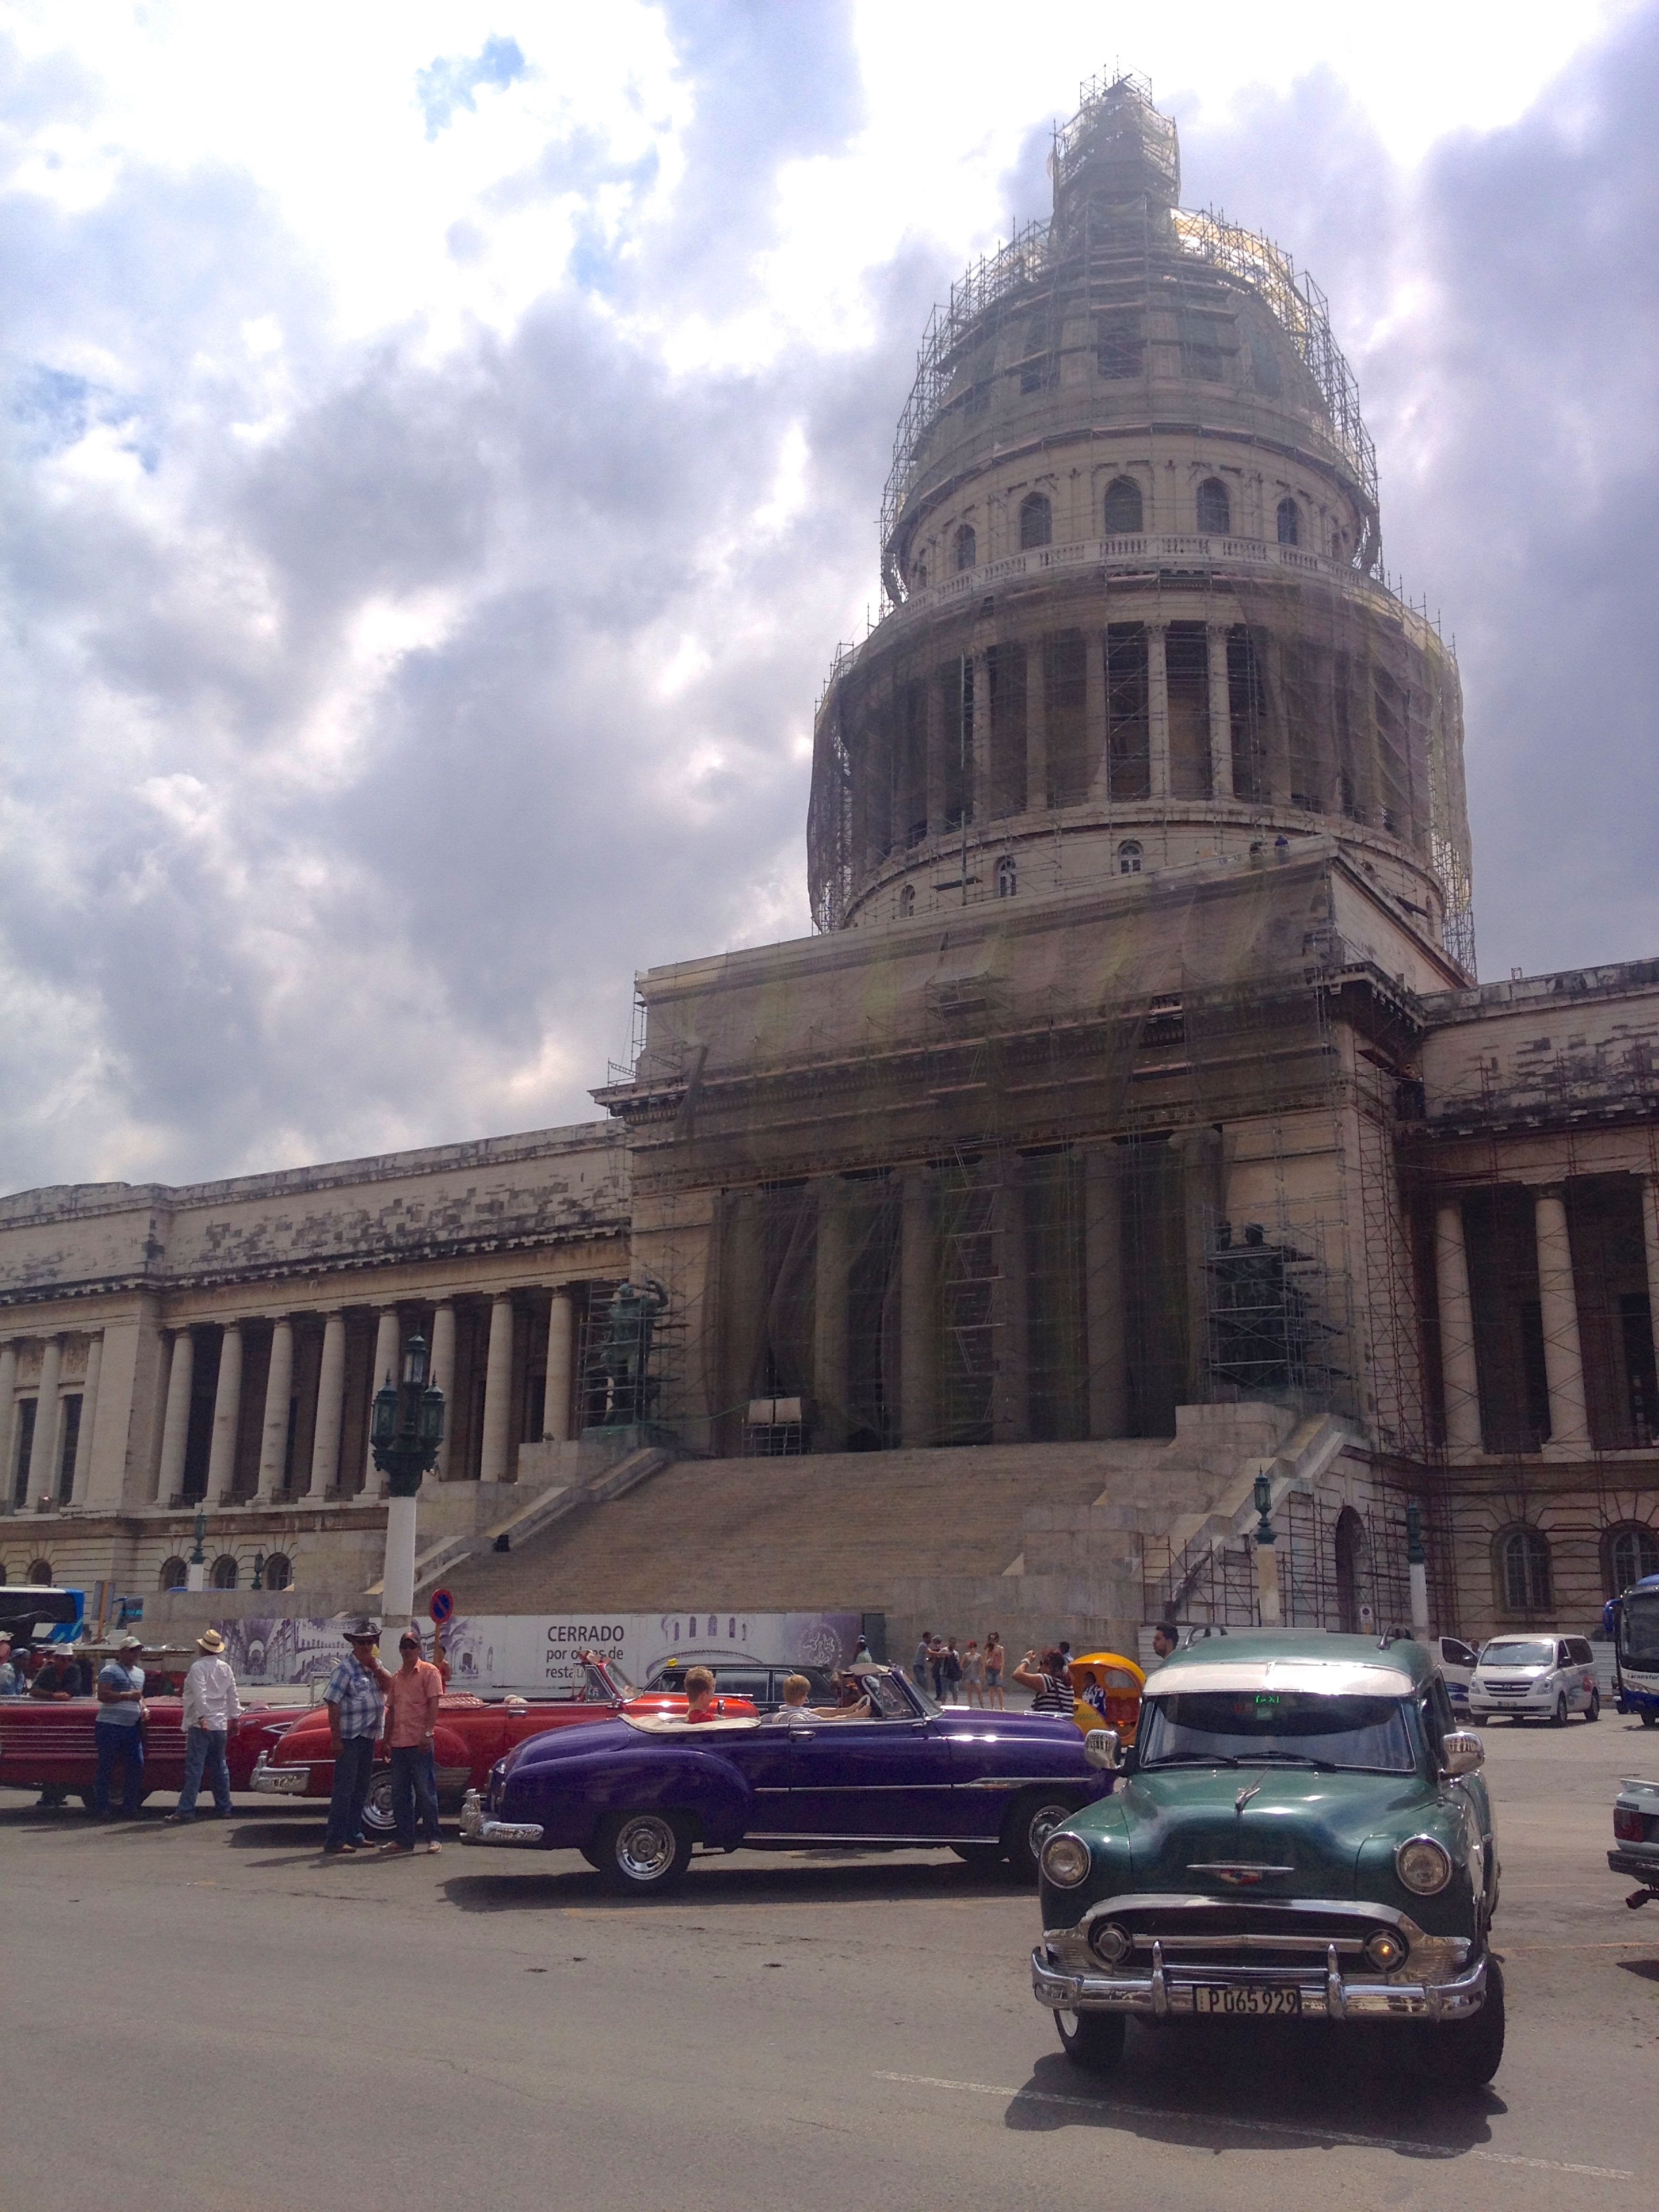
1638,1631
1267,1728
1518,1651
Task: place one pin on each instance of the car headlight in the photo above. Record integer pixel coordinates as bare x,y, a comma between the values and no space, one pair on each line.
1423,1865
1066,1861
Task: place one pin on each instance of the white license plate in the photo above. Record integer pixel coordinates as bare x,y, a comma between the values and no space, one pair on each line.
1246,2000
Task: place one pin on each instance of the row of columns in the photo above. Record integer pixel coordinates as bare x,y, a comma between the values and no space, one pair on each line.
323,1474
1558,1301
940,736
321,1479
47,1444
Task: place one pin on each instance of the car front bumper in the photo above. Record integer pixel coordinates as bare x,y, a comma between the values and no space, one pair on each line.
279,1781
478,1828
1169,1992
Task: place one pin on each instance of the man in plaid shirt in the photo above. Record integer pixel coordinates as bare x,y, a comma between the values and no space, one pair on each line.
355,1704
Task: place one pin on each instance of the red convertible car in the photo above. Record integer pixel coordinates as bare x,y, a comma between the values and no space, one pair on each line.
472,1735
46,1744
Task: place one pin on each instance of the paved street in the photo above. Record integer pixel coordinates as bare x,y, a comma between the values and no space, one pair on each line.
216,2017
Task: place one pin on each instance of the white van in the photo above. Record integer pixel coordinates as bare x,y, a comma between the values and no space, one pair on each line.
1540,1676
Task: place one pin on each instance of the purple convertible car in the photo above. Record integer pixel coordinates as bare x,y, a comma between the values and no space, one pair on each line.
635,1796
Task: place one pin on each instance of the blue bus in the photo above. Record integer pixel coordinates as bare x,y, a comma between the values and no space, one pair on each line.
1633,1621
26,1607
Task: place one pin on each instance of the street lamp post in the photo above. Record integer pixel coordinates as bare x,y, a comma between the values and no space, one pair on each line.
1416,1560
196,1567
407,1429
1267,1556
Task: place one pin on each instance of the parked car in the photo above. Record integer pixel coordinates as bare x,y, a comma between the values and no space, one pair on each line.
1457,1665
1540,1676
1636,1836
1301,1832
761,1685
49,1746
471,1734
637,1795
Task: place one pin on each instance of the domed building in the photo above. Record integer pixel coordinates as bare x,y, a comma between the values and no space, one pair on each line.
1133,1127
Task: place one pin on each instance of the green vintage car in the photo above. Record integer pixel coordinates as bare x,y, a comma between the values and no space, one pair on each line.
1300,1830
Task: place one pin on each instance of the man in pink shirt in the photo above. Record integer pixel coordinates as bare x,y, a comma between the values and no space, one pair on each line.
412,1720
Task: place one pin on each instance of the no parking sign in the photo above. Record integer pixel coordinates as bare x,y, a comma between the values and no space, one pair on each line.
441,1606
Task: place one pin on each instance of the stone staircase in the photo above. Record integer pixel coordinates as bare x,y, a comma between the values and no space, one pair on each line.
1038,1541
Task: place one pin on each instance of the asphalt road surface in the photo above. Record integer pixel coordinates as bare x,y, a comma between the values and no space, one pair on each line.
217,2017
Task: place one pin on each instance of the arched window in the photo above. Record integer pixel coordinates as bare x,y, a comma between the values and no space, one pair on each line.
1007,877
906,901
40,1575
1124,510
1215,513
967,547
174,1574
279,1572
224,1572
1128,858
1290,523
921,575
1628,1554
1523,1571
1036,521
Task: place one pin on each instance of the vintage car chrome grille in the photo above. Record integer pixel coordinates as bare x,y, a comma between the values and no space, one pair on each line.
1193,1936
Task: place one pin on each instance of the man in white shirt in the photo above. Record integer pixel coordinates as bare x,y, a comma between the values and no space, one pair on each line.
210,1705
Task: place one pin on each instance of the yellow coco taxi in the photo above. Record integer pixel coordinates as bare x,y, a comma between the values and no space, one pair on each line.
1108,1687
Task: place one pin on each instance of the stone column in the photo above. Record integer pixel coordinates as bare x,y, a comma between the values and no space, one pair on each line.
175,1422
1102,1249
561,1360
829,1390
980,809
43,1465
8,1418
443,1374
1563,1357
1459,1380
918,1377
1036,729
330,1403
388,1352
937,738
1094,715
1221,713
1011,1395
1158,708
279,1388
1649,1237
498,1393
88,1415
226,1418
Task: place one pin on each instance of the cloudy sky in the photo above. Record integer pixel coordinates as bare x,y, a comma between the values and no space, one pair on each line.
441,447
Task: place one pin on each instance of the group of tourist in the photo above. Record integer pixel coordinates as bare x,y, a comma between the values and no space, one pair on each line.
971,1677
367,1702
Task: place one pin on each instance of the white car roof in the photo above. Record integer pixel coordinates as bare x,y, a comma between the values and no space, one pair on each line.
1328,1677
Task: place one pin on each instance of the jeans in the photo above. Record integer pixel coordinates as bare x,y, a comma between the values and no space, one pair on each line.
414,1779
205,1749
116,1740
352,1769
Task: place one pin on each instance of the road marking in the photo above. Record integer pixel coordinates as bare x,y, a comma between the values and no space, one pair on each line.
1308,2130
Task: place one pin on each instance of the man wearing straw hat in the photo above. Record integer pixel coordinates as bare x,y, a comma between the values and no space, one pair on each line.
210,1705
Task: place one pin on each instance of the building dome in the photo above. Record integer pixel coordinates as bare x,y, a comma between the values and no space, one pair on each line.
1131,564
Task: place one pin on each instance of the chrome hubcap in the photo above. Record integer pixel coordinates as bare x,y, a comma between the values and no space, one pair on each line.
1043,1824
645,1847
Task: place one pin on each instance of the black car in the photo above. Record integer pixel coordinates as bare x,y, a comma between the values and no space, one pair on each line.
761,1685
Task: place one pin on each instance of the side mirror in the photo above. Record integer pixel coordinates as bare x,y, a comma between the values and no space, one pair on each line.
1100,1749
1463,1753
